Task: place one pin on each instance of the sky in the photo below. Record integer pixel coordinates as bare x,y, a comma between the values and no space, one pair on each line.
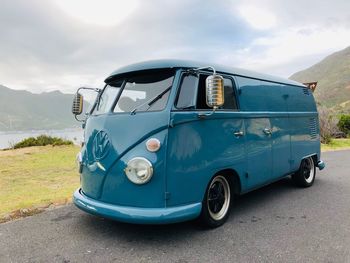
48,45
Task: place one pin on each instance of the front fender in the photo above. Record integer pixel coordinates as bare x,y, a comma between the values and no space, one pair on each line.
118,190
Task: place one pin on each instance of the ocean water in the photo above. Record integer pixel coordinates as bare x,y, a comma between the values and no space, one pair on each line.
7,139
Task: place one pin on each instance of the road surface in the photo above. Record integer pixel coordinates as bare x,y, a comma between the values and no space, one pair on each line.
278,223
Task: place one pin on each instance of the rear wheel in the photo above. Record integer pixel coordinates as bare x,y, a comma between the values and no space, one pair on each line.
217,202
306,174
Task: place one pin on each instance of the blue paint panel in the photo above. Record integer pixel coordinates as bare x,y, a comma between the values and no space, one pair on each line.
281,153
257,95
268,155
124,131
119,190
197,149
300,99
259,151
304,124
301,143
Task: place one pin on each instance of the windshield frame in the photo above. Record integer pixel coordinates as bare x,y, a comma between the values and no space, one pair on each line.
97,99
125,77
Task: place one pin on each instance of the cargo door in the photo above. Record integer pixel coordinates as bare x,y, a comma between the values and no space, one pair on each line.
259,151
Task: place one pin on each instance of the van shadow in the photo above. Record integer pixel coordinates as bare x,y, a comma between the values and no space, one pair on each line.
123,232
283,189
96,227
262,196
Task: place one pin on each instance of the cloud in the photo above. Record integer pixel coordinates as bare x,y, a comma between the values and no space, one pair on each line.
258,17
102,12
279,53
299,34
47,45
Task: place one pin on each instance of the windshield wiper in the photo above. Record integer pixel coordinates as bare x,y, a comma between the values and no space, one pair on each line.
151,101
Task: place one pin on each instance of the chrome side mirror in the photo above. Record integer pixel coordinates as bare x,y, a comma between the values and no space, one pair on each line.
77,107
215,91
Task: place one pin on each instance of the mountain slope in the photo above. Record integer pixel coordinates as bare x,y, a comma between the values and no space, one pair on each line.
22,110
333,76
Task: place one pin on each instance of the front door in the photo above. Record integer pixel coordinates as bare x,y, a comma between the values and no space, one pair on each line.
198,147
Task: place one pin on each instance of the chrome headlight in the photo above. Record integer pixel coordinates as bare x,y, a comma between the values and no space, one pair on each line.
139,170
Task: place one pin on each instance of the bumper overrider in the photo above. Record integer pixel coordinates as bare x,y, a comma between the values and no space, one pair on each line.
321,165
137,215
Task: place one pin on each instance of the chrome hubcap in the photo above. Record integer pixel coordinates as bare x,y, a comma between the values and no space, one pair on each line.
308,169
218,199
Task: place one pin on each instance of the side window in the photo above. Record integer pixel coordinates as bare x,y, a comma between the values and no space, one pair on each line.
201,98
187,95
230,98
229,93
192,93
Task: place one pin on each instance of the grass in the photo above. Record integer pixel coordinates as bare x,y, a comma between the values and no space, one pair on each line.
336,144
37,177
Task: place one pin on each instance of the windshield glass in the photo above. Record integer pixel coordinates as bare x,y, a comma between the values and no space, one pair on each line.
148,91
106,100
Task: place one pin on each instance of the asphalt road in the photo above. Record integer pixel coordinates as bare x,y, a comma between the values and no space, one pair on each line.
278,223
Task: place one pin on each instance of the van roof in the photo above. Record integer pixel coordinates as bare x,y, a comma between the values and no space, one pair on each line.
174,63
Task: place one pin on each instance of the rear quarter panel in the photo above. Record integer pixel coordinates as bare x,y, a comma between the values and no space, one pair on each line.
304,125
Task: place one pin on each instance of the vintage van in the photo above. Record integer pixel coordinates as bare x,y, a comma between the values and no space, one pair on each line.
169,140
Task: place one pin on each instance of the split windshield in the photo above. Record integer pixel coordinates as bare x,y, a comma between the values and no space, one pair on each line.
148,91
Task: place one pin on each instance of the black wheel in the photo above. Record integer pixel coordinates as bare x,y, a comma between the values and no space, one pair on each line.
306,174
217,202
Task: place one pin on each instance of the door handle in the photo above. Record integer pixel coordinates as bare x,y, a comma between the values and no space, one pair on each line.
238,133
267,131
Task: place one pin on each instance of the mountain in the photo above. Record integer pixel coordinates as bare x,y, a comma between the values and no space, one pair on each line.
333,76
23,110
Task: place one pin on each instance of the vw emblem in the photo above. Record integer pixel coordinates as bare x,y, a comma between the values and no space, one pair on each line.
100,145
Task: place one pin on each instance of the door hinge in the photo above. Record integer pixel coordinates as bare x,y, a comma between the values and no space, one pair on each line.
167,195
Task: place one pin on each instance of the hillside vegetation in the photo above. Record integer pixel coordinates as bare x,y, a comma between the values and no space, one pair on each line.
333,76
23,110
42,140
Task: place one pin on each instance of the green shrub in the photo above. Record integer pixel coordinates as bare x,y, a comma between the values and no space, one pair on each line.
344,123
326,139
42,140
328,124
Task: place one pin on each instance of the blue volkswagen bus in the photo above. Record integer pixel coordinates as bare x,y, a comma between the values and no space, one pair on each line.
168,141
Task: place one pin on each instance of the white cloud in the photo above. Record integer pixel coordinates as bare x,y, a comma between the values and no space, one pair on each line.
98,12
258,17
295,44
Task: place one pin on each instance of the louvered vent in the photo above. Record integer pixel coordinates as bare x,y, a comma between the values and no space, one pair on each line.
313,128
306,91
